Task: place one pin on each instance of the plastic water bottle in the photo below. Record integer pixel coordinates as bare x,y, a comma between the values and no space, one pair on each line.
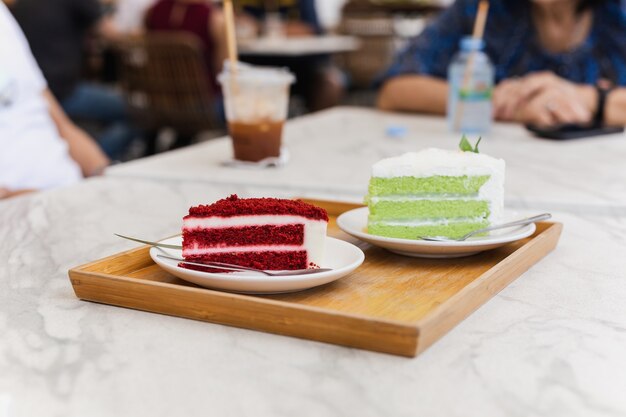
469,97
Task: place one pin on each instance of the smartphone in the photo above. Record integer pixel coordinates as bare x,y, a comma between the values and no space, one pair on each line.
573,131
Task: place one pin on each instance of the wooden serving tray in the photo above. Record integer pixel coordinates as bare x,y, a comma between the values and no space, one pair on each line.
391,304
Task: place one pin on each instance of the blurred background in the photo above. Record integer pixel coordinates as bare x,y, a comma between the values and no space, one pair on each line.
140,75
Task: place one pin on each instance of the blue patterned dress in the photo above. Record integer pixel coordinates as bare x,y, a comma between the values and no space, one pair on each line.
512,44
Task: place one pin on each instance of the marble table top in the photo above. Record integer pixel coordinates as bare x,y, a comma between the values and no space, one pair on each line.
550,344
331,153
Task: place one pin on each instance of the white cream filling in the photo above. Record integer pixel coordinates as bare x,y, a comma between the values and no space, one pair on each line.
314,233
433,197
215,222
429,222
195,250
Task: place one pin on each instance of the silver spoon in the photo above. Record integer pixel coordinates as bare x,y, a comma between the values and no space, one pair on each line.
521,222
220,265
232,267
147,242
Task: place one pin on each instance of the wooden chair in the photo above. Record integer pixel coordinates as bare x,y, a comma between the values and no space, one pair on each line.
165,81
376,34
377,24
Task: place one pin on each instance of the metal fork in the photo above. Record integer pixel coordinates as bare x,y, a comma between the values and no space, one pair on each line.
221,265
148,242
232,267
521,222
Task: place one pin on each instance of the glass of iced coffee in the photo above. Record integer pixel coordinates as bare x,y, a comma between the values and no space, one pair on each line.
256,101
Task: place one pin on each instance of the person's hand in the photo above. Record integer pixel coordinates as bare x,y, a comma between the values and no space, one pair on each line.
507,98
6,193
552,107
544,99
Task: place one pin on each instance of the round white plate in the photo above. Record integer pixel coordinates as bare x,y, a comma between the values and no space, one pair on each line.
341,256
354,222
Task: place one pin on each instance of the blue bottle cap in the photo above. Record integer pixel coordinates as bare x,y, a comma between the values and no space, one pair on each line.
470,44
396,131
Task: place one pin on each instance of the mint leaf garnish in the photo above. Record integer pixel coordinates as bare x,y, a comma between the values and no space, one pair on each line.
476,146
466,146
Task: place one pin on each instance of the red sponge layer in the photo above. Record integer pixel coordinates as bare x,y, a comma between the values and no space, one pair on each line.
260,260
235,206
292,234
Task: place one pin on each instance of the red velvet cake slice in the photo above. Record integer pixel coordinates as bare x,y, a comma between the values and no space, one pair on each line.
263,233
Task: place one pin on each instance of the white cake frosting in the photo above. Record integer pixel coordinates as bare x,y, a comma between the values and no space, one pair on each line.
433,161
439,162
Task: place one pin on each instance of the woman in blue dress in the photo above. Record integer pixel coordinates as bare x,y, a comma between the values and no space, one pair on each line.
556,61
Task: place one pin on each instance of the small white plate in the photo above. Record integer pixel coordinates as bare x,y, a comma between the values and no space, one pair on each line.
341,256
354,222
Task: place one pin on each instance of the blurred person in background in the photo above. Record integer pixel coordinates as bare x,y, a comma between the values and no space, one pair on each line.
56,31
318,80
41,147
298,17
199,18
556,61
130,14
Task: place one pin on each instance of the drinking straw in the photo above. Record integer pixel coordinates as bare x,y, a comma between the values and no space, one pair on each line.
477,34
231,42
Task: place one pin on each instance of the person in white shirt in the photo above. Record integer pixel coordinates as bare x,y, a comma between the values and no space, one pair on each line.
40,147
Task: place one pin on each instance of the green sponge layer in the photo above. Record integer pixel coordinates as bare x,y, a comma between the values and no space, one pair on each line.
437,184
451,230
427,209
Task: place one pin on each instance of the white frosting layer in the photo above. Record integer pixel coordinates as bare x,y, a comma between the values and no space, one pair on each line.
431,197
314,233
429,222
216,222
252,248
431,162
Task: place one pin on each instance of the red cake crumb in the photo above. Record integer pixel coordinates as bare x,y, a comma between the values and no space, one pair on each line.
291,234
260,260
235,206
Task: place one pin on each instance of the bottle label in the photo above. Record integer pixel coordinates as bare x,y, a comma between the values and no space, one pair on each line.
477,94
